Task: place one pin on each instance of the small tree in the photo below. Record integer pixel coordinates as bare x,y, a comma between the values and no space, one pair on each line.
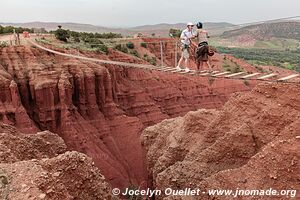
62,35
175,33
102,48
121,48
130,45
144,44
135,53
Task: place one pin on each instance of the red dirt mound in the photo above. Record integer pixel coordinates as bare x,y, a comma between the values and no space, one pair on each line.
38,167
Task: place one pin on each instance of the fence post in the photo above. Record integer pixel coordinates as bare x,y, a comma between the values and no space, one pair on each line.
161,53
176,53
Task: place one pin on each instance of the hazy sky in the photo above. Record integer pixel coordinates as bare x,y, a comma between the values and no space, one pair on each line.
124,13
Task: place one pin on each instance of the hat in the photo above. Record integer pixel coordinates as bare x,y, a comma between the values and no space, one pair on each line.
190,24
199,25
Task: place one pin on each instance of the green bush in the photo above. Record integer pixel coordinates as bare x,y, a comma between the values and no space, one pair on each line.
130,45
10,29
175,33
135,53
102,48
108,35
152,60
121,48
76,39
92,41
62,35
143,44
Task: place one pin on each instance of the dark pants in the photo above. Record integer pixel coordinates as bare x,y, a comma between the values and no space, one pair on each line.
202,52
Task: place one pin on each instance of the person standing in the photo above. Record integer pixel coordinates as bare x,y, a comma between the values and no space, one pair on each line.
186,36
203,51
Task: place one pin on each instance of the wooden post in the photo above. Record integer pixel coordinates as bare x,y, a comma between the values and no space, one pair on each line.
15,37
176,53
161,53
18,39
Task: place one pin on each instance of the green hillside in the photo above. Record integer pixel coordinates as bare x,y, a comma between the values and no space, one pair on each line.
289,30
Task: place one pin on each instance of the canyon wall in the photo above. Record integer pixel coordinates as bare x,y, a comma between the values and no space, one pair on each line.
252,143
100,110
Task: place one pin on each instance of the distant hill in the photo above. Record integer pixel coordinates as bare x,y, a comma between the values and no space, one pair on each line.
288,30
158,29
207,25
72,26
214,28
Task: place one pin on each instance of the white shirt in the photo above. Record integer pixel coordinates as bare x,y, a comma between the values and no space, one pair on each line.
185,36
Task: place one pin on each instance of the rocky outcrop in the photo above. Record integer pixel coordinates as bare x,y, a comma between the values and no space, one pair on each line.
251,143
100,110
38,167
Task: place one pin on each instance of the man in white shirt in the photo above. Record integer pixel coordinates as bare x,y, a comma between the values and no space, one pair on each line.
186,36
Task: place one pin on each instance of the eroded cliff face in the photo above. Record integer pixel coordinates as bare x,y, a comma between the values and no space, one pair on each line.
251,143
39,167
100,110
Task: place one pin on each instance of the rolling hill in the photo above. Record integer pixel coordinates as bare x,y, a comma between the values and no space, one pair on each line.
279,35
288,30
214,28
158,29
72,26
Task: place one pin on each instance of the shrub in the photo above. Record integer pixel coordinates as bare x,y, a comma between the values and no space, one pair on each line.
143,44
92,41
246,83
10,29
121,48
175,33
62,35
135,53
102,48
259,68
76,39
130,45
108,35
152,61
236,69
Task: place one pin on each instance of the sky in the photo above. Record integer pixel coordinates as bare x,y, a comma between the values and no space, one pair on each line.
129,13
